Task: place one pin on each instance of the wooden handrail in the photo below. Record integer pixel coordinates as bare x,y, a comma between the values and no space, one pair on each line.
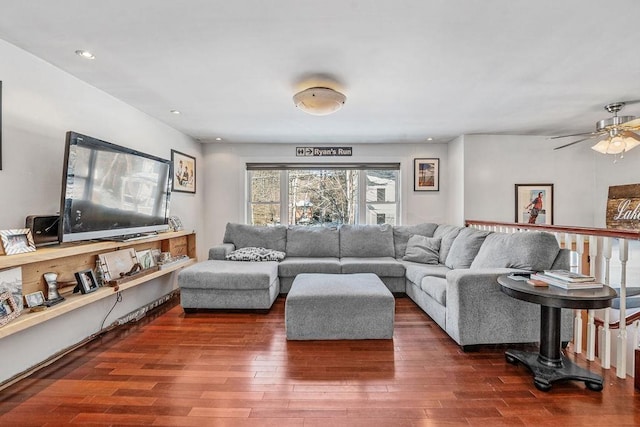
603,232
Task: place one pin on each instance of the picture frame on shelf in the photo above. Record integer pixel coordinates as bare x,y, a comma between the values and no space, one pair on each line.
426,174
174,223
11,281
534,204
116,262
183,167
9,310
17,241
146,259
34,299
87,281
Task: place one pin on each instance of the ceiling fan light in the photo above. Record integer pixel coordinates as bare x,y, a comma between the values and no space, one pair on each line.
319,101
616,145
602,146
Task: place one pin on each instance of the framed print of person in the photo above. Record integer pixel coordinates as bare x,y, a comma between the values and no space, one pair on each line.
184,172
534,204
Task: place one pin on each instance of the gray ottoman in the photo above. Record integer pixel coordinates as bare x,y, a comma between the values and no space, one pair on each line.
339,306
229,284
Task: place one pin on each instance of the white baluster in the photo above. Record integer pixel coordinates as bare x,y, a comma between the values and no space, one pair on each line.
621,363
605,355
591,325
577,319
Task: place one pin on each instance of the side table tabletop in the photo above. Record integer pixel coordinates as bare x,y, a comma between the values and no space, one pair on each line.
550,365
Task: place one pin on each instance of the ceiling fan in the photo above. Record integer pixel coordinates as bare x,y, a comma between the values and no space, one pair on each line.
618,133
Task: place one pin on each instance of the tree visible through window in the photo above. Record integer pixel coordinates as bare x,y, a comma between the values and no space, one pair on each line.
322,196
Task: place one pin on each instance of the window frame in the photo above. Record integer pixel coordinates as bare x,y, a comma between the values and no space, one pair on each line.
361,204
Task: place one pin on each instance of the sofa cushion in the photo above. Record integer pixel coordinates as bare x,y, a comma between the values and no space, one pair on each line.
436,288
415,272
402,234
366,241
255,254
448,234
531,250
292,266
465,247
243,236
422,249
305,241
380,266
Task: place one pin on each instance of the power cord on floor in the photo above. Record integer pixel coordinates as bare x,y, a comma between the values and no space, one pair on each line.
118,299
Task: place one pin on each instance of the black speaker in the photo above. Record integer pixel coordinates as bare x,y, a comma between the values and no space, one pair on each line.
44,229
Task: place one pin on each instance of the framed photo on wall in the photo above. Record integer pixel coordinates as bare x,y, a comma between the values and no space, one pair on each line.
184,172
534,204
426,174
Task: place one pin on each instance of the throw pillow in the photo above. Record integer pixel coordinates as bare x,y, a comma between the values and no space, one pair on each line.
425,250
255,254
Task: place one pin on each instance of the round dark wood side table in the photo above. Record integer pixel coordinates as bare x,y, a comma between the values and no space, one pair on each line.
550,365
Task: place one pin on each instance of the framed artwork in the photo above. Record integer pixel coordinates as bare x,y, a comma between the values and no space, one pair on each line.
86,281
116,264
11,281
146,259
17,241
534,204
8,308
426,174
184,172
34,299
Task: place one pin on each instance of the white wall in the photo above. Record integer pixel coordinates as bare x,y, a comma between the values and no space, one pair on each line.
40,104
493,164
225,179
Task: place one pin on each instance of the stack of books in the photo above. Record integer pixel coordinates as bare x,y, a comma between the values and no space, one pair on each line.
566,279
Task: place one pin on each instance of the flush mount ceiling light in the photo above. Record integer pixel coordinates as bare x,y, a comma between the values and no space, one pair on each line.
319,101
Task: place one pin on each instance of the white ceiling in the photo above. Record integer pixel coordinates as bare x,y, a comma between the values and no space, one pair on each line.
411,69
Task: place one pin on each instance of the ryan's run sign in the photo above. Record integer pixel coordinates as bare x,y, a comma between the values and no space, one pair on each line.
323,151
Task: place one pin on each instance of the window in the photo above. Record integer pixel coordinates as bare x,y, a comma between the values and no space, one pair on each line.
306,194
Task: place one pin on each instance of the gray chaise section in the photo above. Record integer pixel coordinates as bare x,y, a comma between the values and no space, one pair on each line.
229,285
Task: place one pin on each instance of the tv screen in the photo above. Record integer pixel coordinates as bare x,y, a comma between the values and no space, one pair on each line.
111,192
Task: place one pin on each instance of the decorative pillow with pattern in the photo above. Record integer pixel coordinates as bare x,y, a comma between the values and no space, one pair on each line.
255,254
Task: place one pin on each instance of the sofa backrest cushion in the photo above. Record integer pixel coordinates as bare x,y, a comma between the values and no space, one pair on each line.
243,236
402,234
422,249
366,241
305,241
448,234
530,250
465,247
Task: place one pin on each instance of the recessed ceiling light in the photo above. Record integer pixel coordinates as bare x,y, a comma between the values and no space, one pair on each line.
429,139
85,54
176,112
218,139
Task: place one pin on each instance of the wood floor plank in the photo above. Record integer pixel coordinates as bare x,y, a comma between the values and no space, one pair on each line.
237,369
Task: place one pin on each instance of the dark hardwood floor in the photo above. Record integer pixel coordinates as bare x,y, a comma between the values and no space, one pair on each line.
238,369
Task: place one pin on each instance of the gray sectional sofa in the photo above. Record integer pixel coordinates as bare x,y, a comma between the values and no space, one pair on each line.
450,272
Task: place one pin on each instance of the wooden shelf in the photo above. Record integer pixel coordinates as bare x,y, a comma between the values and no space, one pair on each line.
28,319
68,258
71,249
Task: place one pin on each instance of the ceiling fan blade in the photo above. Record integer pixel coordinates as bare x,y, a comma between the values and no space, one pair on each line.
576,134
575,142
633,124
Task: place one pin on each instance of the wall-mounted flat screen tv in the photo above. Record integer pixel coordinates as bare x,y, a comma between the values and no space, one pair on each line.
111,192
